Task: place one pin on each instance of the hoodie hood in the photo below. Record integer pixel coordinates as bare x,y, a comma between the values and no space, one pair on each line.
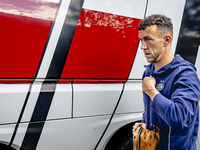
178,61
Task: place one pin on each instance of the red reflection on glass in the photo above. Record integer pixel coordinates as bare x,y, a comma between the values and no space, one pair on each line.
24,28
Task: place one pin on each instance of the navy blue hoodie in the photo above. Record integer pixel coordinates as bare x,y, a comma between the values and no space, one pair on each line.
175,110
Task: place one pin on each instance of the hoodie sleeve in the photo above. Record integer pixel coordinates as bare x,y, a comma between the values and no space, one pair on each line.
144,118
179,110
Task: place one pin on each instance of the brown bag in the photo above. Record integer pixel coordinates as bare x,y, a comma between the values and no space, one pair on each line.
144,139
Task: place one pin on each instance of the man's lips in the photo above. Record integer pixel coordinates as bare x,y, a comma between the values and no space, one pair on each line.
147,54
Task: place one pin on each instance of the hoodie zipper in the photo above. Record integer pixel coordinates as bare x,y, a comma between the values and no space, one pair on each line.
148,107
169,138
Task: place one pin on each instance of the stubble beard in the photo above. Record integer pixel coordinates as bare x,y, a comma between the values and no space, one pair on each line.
155,57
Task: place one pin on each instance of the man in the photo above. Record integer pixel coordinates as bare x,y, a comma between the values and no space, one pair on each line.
171,88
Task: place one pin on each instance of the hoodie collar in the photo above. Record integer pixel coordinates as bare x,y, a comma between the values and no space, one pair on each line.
176,62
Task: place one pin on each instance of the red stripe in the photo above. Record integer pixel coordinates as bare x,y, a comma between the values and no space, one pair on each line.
103,47
99,81
22,39
15,81
90,81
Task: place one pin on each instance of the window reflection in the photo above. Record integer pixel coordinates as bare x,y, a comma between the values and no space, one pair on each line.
30,8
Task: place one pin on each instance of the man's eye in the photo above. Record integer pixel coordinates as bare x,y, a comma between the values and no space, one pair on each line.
147,39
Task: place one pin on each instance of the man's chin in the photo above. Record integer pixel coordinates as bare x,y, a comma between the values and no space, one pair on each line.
149,60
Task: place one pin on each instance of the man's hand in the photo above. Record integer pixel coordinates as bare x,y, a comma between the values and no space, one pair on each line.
143,125
148,86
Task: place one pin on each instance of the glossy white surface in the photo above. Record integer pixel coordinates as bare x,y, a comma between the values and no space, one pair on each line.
129,8
61,106
6,133
95,99
72,134
12,97
132,99
53,1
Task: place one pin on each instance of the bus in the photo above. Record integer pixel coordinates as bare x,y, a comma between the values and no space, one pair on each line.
71,70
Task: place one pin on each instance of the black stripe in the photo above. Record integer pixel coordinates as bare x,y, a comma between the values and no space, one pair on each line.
30,87
21,114
146,9
65,39
44,101
39,116
189,36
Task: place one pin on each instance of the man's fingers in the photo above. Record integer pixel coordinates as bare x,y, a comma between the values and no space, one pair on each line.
143,125
136,125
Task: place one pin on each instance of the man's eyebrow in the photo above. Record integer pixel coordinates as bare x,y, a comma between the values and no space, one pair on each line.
145,37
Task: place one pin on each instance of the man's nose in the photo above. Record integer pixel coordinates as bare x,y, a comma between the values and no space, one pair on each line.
143,45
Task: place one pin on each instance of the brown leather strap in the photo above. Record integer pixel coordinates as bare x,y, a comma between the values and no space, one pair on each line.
138,139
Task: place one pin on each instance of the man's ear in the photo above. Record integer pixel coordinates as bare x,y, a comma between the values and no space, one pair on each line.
167,40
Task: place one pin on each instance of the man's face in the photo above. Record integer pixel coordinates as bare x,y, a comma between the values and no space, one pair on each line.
152,44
